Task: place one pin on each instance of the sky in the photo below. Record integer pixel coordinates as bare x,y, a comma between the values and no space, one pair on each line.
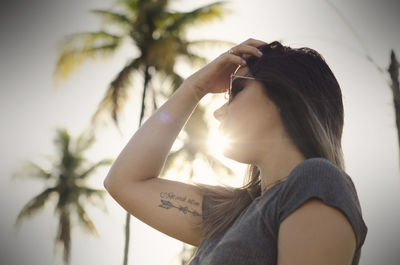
31,108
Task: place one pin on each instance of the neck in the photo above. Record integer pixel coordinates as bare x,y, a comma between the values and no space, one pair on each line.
278,163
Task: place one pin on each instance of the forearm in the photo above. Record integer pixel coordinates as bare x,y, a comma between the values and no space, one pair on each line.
144,155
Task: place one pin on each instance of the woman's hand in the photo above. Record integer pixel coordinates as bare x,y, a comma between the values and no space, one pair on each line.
214,77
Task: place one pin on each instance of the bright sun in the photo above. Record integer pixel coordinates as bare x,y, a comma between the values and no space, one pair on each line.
217,142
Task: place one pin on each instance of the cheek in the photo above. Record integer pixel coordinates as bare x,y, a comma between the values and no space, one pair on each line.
259,125
256,121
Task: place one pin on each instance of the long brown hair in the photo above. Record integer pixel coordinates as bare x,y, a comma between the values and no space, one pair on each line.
303,87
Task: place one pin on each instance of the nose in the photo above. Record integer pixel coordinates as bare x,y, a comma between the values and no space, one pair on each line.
220,112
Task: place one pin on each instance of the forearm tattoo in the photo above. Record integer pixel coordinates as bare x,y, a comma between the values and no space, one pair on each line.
170,200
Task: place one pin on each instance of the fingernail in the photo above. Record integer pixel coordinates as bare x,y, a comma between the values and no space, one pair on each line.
260,53
244,62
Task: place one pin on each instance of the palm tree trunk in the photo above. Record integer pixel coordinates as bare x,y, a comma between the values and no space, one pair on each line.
147,78
127,237
394,75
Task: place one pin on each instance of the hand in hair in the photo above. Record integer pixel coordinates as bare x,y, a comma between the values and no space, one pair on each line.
214,77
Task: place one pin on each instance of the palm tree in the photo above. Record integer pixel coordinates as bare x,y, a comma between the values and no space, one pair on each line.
392,70
394,76
159,36
157,33
65,182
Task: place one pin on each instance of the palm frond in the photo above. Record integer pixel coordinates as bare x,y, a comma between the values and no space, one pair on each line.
94,196
131,6
84,141
89,192
32,170
116,95
62,139
197,127
92,168
79,47
35,204
122,21
211,43
85,219
393,71
175,79
69,160
87,40
180,20
194,60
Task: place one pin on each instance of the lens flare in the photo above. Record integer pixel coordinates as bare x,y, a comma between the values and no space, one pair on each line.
217,142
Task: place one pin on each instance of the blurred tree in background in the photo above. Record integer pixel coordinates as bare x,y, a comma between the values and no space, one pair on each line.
66,183
394,85
159,35
392,70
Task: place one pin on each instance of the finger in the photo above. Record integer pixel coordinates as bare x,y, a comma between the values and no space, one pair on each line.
246,56
254,42
235,59
246,51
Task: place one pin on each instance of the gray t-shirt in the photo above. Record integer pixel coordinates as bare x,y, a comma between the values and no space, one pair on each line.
252,238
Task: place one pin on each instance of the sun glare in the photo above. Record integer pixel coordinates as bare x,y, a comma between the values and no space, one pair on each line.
217,142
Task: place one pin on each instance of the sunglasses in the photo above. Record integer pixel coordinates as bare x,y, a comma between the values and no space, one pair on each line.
235,85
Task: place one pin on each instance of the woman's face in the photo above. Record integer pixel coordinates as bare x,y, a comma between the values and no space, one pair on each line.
250,121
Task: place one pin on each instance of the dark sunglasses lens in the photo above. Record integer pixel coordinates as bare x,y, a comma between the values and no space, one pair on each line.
237,86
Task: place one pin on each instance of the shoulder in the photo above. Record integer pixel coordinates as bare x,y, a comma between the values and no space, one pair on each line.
317,177
319,227
319,174
316,166
319,184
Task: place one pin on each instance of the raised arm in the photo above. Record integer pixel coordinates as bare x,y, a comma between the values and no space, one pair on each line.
132,180
171,207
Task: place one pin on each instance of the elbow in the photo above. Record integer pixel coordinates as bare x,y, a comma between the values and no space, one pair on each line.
107,184
113,183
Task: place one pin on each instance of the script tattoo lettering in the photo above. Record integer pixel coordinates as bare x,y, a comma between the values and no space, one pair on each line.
170,200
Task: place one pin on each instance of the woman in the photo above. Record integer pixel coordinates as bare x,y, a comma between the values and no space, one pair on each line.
284,118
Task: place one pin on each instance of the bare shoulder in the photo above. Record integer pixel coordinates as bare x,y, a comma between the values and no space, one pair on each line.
316,233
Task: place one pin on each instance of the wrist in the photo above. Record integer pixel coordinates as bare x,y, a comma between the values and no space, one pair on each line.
197,92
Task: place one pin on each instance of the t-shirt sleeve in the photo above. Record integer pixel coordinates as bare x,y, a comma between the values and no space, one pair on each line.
323,180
